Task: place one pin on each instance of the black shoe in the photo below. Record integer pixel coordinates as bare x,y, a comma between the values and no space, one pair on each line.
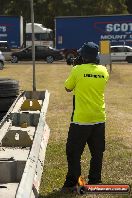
94,182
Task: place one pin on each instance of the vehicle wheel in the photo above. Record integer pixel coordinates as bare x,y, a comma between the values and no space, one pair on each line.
1,65
129,59
14,59
49,59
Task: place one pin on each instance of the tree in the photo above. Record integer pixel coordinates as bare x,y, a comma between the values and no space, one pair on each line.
4,5
129,6
46,10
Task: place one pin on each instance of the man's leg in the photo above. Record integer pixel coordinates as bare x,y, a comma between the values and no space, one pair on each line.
77,138
96,144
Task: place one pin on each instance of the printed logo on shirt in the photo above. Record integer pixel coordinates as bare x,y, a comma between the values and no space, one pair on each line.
93,76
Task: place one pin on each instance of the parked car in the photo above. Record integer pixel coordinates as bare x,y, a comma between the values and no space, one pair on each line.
2,59
121,53
45,53
5,49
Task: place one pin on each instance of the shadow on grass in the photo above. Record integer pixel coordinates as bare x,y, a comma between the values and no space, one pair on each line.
58,194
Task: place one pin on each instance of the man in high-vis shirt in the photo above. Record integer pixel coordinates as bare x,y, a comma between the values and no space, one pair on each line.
88,82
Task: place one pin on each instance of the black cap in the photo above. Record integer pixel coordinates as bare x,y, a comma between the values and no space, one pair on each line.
89,51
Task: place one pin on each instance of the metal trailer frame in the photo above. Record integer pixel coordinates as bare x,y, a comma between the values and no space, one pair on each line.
29,176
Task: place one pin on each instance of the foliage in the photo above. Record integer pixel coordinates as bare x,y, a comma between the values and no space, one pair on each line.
129,6
46,10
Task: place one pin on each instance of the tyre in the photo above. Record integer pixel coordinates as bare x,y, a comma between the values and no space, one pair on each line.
2,114
8,87
1,65
129,59
49,59
5,103
14,59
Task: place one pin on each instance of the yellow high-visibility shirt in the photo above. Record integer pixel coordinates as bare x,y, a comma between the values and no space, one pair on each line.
88,81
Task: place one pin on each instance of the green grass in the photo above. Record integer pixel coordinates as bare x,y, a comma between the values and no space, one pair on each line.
117,164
